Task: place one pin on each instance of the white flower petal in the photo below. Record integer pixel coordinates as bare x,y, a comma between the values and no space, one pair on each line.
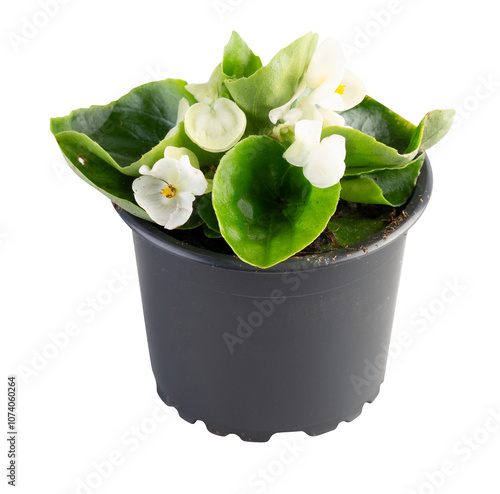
292,117
147,186
176,153
320,177
297,154
207,92
348,94
331,118
180,210
327,64
307,138
354,91
215,128
323,93
204,93
190,179
326,164
308,132
309,110
165,169
280,112
147,193
184,181
332,101
170,213
144,170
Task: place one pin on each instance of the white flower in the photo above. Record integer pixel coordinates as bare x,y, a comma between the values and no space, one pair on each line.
327,87
215,124
215,128
167,191
323,161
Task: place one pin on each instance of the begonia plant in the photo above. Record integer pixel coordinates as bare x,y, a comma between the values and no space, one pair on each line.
266,158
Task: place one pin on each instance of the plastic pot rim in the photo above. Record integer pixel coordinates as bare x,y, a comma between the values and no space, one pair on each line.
411,213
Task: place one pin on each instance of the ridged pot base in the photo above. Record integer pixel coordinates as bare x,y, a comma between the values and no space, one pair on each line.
264,436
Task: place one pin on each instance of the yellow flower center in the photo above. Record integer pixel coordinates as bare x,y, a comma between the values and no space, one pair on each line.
340,90
169,191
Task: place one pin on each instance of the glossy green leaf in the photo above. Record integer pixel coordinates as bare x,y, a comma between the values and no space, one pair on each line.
384,125
388,187
273,85
383,140
131,126
93,165
207,212
433,127
267,210
364,154
176,138
353,225
239,60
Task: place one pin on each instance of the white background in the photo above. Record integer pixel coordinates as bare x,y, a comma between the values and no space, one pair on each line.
61,243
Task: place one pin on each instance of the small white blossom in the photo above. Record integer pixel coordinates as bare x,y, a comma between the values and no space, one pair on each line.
167,191
217,127
215,124
323,160
327,87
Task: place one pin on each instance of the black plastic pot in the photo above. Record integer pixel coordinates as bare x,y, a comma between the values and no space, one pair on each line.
301,346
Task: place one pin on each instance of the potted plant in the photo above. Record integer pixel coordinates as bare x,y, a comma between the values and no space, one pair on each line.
269,208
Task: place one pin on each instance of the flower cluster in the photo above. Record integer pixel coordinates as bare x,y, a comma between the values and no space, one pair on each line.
167,191
327,88
259,155
215,123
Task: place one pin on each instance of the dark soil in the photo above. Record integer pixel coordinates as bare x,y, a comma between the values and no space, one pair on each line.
197,238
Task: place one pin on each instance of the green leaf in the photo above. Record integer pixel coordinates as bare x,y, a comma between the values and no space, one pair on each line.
383,140
95,166
239,60
273,85
433,127
364,154
207,212
210,233
267,209
384,125
352,225
388,187
131,126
